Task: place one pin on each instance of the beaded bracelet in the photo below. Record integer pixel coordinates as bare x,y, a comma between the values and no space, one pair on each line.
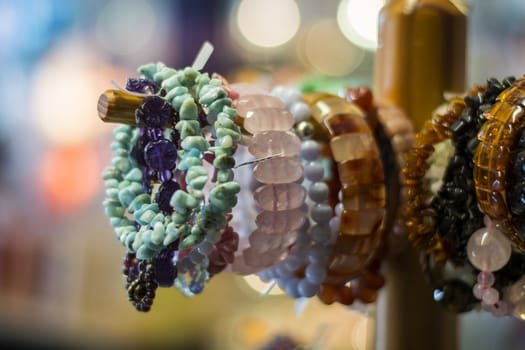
302,272
191,220
362,218
491,160
277,167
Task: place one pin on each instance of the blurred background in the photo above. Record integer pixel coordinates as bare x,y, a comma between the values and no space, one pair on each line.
60,279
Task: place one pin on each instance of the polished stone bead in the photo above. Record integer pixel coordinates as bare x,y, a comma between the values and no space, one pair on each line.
154,112
278,221
488,250
160,155
278,170
265,119
278,197
268,143
247,103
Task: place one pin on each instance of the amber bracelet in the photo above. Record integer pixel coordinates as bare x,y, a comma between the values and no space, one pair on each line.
419,214
361,175
497,137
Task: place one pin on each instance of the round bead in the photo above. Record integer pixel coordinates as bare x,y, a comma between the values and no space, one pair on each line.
320,233
318,192
278,170
318,255
305,130
488,250
279,91
486,278
314,171
516,293
315,273
518,168
300,111
516,198
310,150
291,288
160,155
478,290
490,296
321,213
269,143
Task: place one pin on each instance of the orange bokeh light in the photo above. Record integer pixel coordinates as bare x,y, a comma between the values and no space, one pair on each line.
69,177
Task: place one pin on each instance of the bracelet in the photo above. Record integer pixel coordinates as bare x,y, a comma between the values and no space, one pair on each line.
497,137
180,211
277,167
363,204
302,272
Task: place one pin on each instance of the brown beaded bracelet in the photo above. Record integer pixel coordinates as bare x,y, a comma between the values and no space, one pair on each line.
497,137
419,214
361,175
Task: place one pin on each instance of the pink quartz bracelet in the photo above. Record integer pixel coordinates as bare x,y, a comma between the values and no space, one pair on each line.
278,167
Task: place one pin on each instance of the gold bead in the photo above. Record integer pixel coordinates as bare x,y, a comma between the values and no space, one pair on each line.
305,129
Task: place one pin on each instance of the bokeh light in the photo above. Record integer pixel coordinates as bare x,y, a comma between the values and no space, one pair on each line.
268,23
326,49
125,27
358,20
66,87
69,176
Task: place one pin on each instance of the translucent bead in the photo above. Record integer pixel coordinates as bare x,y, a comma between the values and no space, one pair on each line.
265,119
486,278
488,250
280,196
490,296
269,143
478,290
280,221
278,170
250,102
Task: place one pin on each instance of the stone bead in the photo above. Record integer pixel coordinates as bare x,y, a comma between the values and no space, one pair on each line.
278,170
315,273
278,197
279,221
318,192
488,250
160,155
353,146
247,103
300,111
265,119
154,112
314,171
262,242
490,296
321,213
310,150
269,143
